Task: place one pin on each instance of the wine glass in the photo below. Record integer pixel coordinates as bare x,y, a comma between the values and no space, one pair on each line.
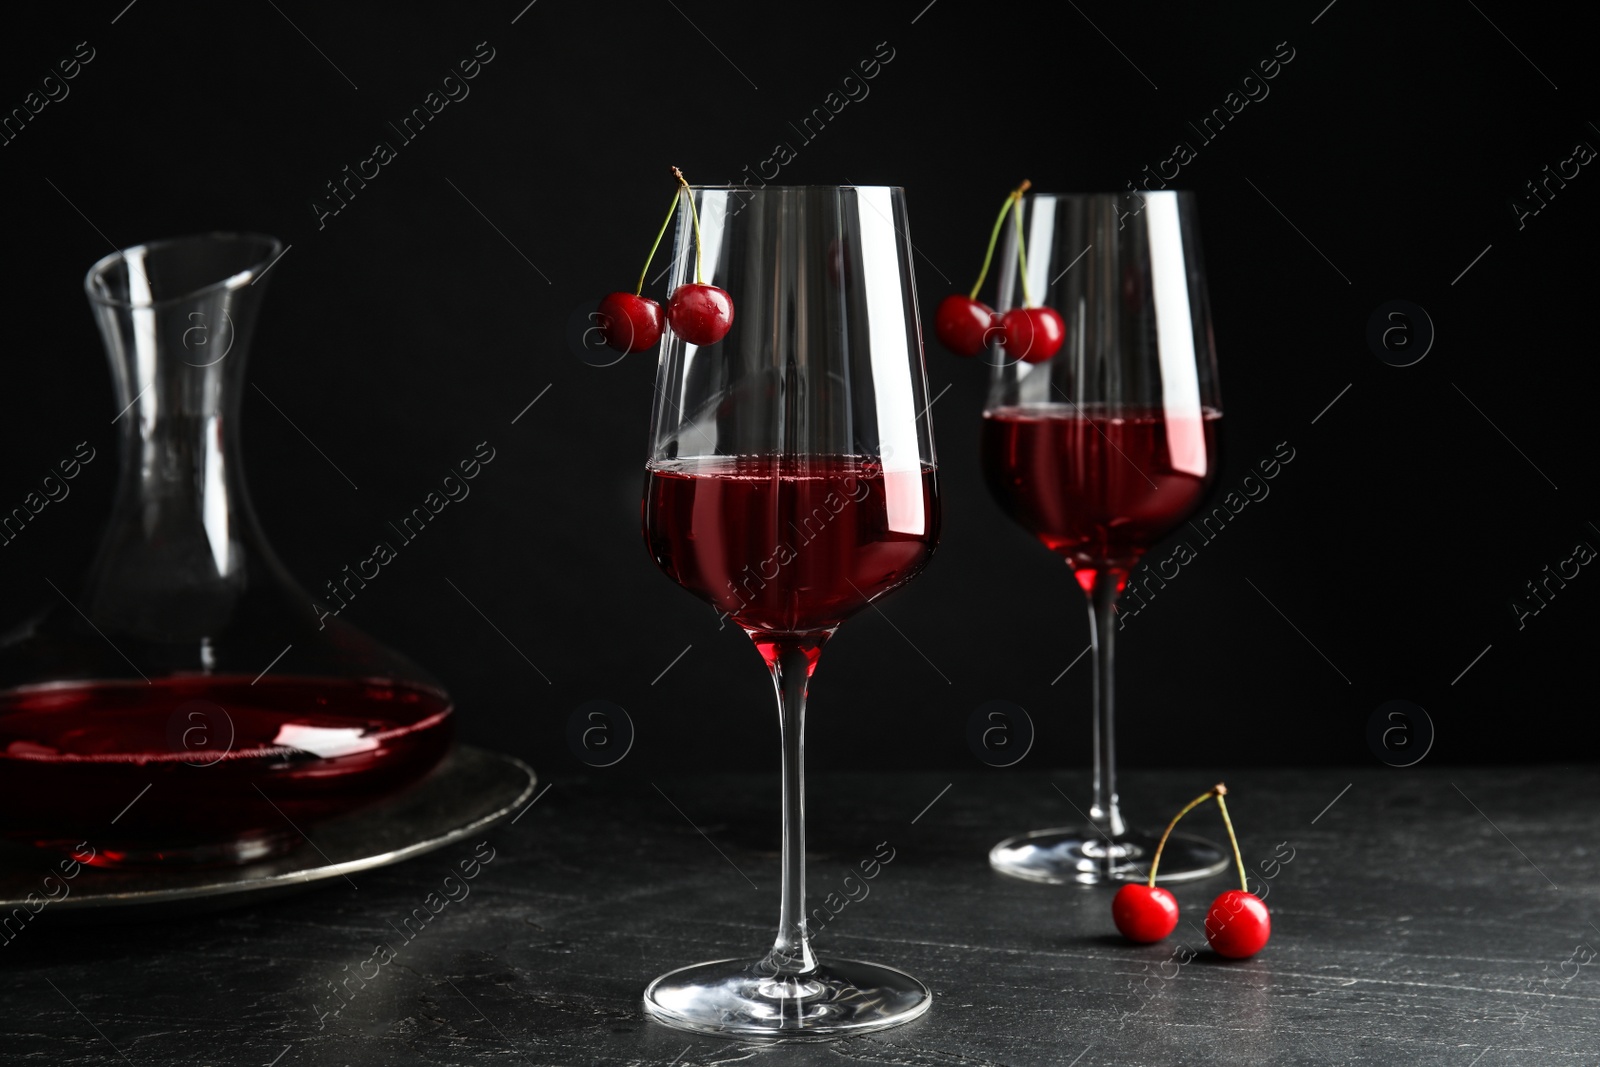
790,483
1101,450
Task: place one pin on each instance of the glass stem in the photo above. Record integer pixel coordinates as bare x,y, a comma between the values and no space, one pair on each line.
792,663
1104,812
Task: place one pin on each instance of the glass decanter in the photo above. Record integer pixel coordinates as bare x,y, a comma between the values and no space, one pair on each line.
191,703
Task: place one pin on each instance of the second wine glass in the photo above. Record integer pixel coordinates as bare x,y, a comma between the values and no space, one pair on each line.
790,483
1102,450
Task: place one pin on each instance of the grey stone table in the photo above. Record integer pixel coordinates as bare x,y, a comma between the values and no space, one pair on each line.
1422,916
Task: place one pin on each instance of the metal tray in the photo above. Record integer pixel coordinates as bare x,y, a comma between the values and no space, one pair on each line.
470,790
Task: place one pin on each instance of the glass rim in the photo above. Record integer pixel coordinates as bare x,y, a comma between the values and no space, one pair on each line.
236,280
789,188
1103,194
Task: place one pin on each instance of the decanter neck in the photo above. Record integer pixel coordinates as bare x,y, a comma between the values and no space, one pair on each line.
179,371
174,557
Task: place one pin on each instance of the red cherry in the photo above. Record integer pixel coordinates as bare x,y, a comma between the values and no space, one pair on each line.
629,322
1238,924
1144,913
700,314
1033,335
963,324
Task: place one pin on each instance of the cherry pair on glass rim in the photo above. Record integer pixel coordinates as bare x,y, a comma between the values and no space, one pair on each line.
966,325
701,314
1237,924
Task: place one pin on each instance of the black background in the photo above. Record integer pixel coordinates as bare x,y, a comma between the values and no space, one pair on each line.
413,325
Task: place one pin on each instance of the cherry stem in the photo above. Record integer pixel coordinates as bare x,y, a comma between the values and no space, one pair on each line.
1022,253
699,277
994,235
671,211
1215,791
1244,883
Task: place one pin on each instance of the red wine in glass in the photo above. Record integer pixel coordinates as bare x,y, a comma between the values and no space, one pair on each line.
1098,487
791,482
789,545
1100,451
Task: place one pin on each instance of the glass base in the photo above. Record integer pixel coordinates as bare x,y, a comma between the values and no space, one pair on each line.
1083,856
740,997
